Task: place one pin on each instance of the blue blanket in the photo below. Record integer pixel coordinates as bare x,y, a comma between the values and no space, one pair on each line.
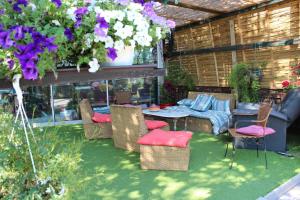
219,119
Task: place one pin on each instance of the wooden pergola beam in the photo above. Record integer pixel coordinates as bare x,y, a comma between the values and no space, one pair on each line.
257,45
229,14
193,7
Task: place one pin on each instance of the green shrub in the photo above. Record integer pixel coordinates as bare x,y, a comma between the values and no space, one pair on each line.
56,160
245,81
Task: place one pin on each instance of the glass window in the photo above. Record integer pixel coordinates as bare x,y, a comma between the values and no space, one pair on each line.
66,97
37,104
65,103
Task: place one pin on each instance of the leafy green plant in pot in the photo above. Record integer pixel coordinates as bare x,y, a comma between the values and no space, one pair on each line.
177,78
246,83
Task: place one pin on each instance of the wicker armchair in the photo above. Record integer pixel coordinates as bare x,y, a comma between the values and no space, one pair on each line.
128,125
123,97
93,130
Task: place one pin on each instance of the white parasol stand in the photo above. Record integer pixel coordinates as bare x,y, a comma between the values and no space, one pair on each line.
21,115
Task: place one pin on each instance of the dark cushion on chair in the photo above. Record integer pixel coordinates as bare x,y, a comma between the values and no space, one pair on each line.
291,105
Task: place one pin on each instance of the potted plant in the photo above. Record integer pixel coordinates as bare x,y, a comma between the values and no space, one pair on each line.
176,85
245,80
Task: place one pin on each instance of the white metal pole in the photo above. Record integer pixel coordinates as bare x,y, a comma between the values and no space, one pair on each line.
52,104
160,64
107,93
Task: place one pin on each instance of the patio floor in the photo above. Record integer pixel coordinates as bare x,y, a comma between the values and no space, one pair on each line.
110,173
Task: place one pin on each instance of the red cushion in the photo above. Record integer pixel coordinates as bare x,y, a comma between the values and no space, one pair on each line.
155,124
101,118
255,130
160,137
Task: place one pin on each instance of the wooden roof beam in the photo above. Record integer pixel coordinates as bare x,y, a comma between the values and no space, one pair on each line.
229,14
193,7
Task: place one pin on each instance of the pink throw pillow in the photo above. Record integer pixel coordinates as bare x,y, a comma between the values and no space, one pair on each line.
101,118
155,124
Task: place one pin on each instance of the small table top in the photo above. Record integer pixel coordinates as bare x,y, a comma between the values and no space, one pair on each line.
244,112
166,113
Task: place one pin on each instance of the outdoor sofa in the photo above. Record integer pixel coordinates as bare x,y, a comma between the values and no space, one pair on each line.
211,121
198,124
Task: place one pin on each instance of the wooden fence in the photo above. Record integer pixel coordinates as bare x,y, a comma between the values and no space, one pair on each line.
270,34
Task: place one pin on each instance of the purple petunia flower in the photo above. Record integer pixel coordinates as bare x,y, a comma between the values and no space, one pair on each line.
19,32
142,2
2,12
81,11
57,3
148,9
68,33
171,23
159,20
44,42
112,53
102,22
5,40
11,64
101,32
122,2
79,15
28,54
28,58
18,3
30,72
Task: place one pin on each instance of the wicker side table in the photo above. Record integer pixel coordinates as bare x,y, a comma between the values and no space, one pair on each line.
165,150
164,158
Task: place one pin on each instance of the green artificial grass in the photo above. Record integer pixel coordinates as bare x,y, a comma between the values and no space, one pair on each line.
110,173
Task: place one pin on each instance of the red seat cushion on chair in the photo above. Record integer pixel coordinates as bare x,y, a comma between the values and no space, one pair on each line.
101,118
255,130
160,137
155,124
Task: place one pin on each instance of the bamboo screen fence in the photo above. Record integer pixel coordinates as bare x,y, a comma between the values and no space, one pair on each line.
278,24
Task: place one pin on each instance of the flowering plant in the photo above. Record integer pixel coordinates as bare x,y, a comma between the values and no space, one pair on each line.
294,81
36,34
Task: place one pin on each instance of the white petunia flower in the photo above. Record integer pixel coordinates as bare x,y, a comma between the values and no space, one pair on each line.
119,45
94,66
98,10
143,38
56,22
118,25
119,15
135,6
129,30
33,6
109,42
107,14
130,15
121,33
71,13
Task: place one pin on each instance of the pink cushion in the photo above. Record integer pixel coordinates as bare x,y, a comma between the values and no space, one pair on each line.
160,137
101,118
255,130
155,124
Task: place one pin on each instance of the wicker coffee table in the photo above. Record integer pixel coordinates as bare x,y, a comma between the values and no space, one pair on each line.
170,114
